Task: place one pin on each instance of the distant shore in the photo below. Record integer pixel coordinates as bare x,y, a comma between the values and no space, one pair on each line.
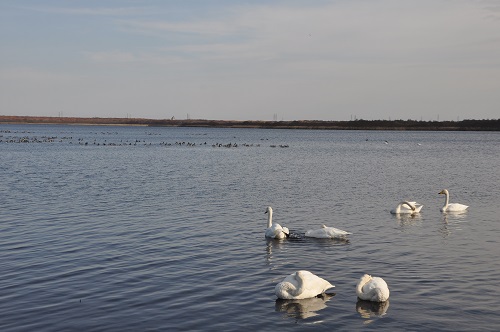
464,125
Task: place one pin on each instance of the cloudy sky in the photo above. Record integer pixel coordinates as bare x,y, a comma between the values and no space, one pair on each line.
251,60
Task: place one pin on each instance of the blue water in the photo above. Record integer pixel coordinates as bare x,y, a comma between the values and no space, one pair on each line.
121,229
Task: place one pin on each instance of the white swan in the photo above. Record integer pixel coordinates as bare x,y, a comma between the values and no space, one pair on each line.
372,289
407,208
275,231
451,207
301,285
327,233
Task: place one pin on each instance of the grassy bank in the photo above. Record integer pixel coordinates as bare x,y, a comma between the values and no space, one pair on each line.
471,125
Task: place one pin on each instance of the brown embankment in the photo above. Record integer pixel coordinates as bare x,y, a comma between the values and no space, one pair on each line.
470,125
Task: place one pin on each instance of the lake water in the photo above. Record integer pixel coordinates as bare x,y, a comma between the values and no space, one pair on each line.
121,229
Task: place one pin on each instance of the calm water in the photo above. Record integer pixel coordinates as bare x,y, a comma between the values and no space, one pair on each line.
122,229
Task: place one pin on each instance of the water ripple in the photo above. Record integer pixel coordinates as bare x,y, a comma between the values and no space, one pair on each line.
150,237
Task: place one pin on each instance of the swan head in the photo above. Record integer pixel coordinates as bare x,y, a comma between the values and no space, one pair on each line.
365,278
269,210
443,192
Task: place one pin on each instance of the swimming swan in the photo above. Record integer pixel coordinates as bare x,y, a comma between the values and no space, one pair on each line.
275,231
301,285
372,289
327,233
407,208
451,207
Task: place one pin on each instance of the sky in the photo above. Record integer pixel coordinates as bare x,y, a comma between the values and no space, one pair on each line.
334,60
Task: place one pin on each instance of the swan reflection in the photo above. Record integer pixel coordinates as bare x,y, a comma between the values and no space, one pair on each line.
331,242
455,215
272,244
451,221
275,245
369,309
406,221
305,308
407,217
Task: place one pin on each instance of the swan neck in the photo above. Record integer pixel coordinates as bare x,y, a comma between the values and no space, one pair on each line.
447,199
407,204
269,219
400,205
300,284
359,288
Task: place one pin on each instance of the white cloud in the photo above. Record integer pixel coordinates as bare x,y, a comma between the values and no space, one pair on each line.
117,58
90,11
196,27
29,74
352,32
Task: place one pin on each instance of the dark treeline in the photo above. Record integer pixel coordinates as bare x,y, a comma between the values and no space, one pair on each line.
471,125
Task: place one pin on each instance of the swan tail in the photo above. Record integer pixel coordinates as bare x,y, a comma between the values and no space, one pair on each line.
418,208
380,295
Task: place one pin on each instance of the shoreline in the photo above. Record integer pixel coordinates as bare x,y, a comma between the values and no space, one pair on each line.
464,125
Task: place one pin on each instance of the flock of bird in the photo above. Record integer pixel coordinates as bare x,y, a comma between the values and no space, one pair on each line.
105,142
304,284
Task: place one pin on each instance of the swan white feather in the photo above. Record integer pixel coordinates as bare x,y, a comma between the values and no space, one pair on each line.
372,289
275,231
406,207
301,285
327,233
451,207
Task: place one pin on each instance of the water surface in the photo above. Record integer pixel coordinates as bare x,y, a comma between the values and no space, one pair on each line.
136,228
